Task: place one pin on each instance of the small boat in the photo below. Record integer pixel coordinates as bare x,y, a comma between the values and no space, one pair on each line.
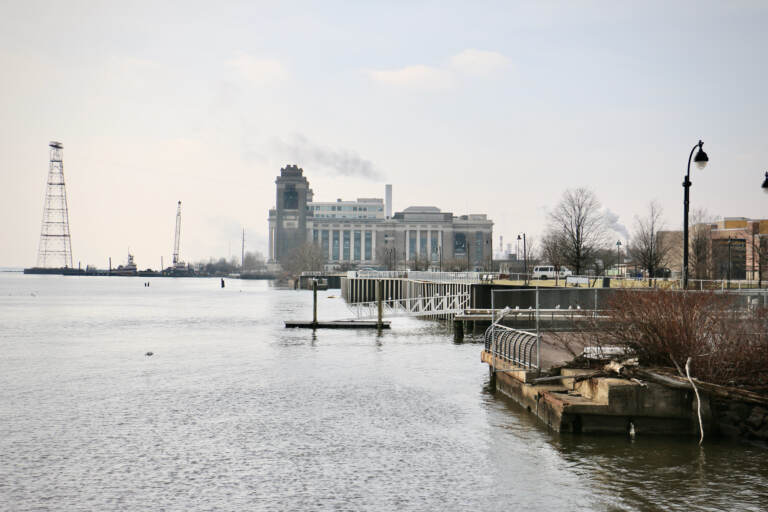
129,269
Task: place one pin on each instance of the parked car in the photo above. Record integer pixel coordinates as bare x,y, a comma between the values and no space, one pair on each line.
549,272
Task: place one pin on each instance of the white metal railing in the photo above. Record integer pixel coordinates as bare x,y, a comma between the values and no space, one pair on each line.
513,345
452,277
413,306
416,275
596,281
378,274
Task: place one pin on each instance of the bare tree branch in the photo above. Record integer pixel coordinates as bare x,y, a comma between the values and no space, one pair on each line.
649,249
579,220
308,257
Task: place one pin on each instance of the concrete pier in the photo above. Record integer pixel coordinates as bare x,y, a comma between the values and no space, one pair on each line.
601,404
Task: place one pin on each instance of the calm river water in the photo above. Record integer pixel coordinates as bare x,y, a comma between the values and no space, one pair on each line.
235,412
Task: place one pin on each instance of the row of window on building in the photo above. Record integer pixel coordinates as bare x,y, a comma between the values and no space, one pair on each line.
338,244
342,208
341,216
357,245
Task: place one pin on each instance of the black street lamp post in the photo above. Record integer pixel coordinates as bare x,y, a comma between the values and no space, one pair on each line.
618,257
525,257
701,160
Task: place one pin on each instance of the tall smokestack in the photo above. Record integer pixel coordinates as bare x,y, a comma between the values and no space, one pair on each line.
388,200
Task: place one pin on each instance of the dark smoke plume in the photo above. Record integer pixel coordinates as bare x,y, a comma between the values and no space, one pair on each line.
342,162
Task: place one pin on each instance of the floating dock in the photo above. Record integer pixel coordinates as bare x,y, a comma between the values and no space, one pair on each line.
339,324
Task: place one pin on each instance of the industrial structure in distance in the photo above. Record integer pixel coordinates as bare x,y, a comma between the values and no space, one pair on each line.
365,232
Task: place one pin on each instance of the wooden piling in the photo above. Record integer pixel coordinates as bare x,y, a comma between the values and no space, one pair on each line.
458,330
314,302
379,305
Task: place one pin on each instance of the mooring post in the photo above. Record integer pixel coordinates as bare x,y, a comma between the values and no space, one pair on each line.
379,305
458,332
538,333
314,302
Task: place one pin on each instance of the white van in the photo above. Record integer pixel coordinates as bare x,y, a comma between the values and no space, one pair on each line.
548,272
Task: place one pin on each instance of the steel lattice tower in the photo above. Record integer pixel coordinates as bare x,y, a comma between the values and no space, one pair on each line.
55,250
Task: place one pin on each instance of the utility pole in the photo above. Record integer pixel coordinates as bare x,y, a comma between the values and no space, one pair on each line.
242,253
177,237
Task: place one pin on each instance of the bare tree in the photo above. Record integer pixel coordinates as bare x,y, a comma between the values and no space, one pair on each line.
700,262
388,257
307,257
579,220
420,262
253,261
649,249
553,250
759,257
455,264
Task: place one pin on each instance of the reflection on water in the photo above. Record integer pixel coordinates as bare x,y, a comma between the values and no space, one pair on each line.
235,412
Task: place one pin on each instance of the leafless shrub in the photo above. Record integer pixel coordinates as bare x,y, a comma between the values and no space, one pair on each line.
728,342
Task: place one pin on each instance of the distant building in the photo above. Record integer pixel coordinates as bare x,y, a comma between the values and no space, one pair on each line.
288,220
734,247
360,233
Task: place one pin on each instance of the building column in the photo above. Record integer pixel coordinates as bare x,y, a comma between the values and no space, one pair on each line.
362,244
330,245
373,245
418,242
429,246
352,244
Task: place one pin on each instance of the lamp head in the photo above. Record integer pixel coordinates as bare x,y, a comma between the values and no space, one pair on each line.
618,243
765,183
701,157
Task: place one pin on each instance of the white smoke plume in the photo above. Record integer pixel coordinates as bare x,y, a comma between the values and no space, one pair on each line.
612,222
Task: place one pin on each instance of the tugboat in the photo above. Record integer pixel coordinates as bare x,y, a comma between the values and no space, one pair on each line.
129,269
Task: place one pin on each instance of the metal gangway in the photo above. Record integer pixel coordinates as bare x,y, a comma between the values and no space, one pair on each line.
436,306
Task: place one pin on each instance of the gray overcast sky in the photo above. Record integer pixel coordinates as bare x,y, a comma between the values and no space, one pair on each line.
479,106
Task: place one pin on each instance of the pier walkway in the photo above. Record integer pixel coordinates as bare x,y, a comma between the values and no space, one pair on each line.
436,307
